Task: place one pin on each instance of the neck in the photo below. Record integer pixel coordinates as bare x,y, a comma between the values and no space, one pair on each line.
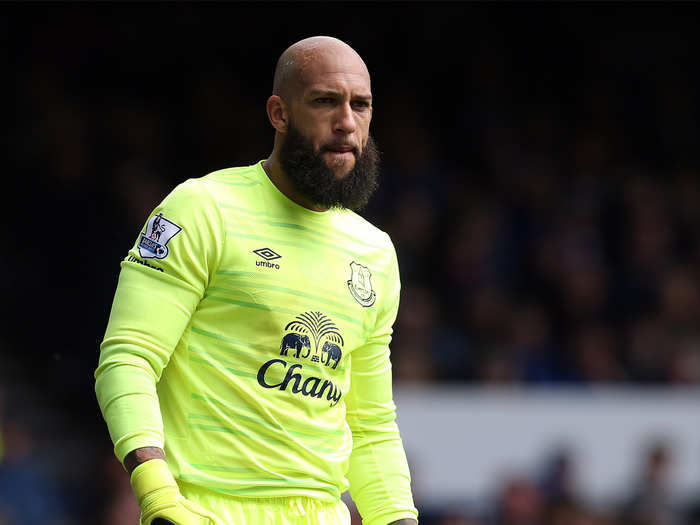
283,183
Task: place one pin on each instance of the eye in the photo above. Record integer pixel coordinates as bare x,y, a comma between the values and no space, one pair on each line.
323,100
360,104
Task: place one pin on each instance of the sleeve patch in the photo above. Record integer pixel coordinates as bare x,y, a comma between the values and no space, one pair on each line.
153,242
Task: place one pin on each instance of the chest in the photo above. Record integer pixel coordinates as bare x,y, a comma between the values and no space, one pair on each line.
296,291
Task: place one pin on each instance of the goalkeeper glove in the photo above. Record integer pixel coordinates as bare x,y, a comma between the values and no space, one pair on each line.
160,498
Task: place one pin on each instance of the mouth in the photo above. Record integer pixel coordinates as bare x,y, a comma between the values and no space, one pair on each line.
340,149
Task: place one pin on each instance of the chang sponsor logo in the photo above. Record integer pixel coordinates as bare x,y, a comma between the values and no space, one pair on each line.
298,383
313,337
307,332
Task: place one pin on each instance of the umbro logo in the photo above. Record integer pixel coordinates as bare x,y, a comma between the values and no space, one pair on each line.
269,255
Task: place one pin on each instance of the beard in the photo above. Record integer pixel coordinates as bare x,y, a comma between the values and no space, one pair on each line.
314,179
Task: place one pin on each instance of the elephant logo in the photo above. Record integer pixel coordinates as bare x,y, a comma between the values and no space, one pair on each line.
316,327
331,352
296,342
360,285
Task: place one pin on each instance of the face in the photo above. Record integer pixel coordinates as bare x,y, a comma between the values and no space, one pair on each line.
332,108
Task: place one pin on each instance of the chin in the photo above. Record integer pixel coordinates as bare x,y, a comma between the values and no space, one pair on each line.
342,173
340,169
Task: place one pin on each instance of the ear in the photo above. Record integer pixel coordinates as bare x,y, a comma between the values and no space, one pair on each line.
277,113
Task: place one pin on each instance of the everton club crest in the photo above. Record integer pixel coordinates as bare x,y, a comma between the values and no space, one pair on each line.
153,242
360,285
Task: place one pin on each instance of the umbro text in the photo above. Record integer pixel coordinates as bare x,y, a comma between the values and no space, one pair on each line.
144,263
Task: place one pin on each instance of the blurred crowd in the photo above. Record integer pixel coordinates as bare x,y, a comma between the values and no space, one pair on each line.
581,271
541,184
552,497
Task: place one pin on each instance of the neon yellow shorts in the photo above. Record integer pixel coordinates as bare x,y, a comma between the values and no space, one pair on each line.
268,511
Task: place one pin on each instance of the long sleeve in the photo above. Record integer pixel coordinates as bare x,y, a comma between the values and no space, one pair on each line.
160,285
380,482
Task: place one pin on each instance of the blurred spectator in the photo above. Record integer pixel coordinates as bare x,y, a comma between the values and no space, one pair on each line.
417,335
596,355
567,512
559,478
651,504
28,495
119,505
457,518
520,503
531,339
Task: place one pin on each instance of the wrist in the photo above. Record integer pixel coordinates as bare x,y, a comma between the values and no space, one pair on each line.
136,457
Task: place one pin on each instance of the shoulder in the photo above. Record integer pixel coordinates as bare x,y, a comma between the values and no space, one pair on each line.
190,195
241,175
354,224
213,187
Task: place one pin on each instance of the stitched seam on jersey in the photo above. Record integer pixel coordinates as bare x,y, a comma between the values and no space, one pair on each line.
222,250
391,272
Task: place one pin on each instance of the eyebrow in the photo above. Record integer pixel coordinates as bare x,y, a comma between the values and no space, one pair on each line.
328,92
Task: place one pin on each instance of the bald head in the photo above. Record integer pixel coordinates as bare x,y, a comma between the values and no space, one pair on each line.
304,61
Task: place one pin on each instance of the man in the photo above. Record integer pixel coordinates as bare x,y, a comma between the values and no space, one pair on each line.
245,374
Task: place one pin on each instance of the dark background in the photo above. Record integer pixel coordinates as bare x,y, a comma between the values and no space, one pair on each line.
540,183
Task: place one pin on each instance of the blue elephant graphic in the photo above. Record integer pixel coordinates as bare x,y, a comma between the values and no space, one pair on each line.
295,342
331,352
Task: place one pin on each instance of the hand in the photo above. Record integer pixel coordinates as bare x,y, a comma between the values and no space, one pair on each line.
160,498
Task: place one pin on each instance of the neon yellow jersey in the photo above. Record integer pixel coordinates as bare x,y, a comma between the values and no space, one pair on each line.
249,338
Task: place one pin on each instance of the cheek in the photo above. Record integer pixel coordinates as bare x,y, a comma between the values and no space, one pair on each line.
315,134
363,128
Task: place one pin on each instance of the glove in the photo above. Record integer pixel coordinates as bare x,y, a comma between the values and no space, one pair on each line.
160,499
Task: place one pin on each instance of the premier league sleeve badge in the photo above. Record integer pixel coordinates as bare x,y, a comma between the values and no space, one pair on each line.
153,242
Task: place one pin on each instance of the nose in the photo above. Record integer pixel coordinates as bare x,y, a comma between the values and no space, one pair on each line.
345,120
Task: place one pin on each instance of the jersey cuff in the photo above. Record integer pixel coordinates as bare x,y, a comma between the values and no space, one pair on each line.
386,518
141,440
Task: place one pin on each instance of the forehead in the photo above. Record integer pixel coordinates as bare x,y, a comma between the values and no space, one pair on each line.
334,69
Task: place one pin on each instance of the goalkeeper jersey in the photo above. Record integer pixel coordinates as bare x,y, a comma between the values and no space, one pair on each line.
249,338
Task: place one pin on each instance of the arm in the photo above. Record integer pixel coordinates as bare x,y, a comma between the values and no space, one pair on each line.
152,307
380,482
155,299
